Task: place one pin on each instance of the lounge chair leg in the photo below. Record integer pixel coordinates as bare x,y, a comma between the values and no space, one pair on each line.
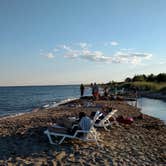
97,143
95,137
50,139
105,128
62,140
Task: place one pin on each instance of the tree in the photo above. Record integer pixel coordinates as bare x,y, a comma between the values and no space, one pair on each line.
128,79
151,78
161,77
139,78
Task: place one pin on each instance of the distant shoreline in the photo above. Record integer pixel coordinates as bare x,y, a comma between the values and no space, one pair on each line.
37,85
153,95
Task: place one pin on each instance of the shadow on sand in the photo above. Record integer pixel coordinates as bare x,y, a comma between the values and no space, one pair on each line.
33,143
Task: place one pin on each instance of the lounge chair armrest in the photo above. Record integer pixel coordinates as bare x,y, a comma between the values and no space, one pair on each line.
57,126
80,131
75,125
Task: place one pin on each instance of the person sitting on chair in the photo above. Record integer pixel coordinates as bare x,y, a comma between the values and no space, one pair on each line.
84,123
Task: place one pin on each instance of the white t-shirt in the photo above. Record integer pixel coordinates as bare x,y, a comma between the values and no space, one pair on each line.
85,123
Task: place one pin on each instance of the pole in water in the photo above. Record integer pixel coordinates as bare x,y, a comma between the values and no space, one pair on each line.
136,97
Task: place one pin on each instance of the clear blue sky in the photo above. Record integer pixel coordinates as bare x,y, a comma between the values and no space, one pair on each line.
65,42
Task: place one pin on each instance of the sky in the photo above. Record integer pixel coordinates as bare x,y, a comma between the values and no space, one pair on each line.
53,42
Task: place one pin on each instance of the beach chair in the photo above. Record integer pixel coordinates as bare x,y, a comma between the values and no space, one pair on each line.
105,121
87,135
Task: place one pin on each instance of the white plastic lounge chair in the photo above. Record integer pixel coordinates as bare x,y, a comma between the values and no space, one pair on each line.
88,135
105,121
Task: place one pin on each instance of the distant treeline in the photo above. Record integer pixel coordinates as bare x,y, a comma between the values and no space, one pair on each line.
149,78
156,83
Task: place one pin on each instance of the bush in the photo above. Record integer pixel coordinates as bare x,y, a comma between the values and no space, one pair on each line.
150,78
145,86
163,90
139,78
161,77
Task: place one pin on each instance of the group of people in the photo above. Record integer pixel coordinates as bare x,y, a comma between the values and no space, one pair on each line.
95,91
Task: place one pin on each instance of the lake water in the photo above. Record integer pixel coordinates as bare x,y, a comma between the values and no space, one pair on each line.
14,100
153,107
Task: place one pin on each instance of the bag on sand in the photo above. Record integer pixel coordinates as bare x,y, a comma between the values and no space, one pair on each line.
127,120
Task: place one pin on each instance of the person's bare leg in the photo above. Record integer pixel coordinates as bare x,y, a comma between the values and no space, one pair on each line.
65,123
58,130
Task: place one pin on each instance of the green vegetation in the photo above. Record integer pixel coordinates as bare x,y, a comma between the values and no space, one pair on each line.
149,78
143,85
154,83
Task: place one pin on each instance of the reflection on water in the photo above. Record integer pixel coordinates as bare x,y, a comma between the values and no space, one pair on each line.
153,107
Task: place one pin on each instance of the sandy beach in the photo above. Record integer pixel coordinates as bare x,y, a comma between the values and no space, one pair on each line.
143,142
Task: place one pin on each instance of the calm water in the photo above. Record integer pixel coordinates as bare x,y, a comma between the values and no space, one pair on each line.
15,100
153,107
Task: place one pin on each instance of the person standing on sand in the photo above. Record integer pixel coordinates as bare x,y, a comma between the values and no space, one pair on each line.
106,91
82,89
92,87
96,91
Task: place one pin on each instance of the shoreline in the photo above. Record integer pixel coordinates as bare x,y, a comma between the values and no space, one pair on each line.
153,95
47,106
143,142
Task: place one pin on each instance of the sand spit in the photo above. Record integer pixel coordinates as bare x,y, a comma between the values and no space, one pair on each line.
22,141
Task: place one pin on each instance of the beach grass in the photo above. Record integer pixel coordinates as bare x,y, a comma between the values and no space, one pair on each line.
144,85
150,85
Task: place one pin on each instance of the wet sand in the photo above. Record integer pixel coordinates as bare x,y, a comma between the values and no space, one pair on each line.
22,141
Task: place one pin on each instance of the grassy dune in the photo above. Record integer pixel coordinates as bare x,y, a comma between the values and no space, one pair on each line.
150,85
143,85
